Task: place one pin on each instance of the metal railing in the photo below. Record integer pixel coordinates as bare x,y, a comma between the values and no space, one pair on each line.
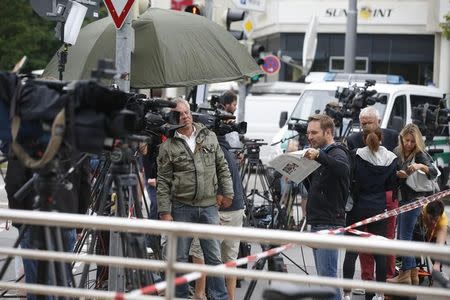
175,229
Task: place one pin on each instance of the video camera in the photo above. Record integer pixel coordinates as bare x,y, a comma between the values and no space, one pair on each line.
218,121
432,119
301,126
354,99
95,116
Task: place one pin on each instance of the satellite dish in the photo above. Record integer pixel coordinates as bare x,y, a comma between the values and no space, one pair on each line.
310,45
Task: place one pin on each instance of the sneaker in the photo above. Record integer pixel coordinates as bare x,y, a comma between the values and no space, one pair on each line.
378,297
359,291
347,296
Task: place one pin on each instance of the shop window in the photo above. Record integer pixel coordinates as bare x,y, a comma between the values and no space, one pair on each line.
337,64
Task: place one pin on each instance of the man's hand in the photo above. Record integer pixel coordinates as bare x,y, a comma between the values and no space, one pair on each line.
165,217
311,154
152,182
226,202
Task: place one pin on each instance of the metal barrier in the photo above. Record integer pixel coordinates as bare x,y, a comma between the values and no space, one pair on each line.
175,229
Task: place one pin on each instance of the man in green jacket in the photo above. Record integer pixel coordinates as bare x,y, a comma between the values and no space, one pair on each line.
191,167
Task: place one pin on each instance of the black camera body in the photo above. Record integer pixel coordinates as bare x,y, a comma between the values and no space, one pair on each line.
354,99
432,119
219,121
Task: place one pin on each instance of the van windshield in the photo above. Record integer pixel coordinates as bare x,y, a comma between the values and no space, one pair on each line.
314,102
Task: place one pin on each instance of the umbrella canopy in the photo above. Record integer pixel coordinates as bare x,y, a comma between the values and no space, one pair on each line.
171,49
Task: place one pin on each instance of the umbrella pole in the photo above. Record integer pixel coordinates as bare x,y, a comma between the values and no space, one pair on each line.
62,60
62,55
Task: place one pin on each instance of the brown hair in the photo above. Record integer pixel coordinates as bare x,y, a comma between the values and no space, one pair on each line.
413,130
435,208
372,139
326,122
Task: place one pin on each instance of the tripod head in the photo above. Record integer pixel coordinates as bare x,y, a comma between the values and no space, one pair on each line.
253,148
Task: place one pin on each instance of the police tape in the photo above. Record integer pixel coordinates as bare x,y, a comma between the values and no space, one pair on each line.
160,286
366,234
391,213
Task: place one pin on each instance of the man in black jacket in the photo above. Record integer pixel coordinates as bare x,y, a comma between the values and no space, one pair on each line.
369,119
328,188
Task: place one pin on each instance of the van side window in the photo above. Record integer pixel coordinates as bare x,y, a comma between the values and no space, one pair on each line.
398,114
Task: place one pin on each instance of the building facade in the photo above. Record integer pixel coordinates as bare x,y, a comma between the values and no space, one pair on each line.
393,37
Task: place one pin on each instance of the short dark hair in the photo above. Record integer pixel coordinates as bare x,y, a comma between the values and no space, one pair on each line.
326,122
227,98
435,208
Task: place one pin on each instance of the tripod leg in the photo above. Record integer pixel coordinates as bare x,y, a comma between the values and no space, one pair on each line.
61,266
5,266
259,265
85,272
116,275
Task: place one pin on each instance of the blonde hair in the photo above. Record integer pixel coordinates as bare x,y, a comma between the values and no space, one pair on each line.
414,131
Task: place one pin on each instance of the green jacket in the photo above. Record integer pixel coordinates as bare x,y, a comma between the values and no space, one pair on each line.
192,178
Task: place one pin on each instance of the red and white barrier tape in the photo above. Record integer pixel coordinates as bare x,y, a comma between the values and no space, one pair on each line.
366,234
160,286
391,213
157,287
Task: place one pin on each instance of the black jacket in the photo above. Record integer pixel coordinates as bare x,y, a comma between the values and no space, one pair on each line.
389,139
328,187
238,189
372,181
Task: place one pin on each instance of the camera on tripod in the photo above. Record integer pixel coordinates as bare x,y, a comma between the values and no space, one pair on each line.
253,148
219,121
353,99
432,119
93,116
301,127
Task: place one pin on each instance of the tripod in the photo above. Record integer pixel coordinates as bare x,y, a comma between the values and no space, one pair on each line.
115,194
253,163
54,193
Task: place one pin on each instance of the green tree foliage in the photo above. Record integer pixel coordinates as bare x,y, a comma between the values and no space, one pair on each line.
446,27
23,32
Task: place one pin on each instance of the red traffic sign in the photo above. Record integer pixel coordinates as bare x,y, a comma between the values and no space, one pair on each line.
119,10
271,64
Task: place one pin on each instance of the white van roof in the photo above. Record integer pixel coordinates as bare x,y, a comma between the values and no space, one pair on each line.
278,87
380,87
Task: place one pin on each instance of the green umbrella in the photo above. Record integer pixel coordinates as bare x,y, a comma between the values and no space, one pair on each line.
171,49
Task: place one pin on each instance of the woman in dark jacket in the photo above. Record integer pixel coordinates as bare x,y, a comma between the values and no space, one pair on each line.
412,158
374,170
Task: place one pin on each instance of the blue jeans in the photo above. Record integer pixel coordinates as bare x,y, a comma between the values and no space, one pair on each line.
30,266
211,248
153,213
326,260
405,227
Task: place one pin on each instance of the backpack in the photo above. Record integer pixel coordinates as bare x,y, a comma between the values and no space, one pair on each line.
349,203
353,189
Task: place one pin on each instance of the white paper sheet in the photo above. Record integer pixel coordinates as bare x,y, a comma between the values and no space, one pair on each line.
294,166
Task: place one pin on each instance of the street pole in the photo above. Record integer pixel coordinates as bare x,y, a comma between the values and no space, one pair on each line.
202,90
241,101
350,38
124,46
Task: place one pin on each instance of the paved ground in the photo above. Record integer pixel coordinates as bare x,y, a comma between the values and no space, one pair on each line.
296,255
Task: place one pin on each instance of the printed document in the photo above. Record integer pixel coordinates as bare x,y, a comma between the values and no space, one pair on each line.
294,166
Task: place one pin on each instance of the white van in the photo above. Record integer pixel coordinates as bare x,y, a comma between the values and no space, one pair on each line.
400,101
263,106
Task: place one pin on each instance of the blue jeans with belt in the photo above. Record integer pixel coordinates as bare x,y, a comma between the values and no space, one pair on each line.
211,248
326,260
